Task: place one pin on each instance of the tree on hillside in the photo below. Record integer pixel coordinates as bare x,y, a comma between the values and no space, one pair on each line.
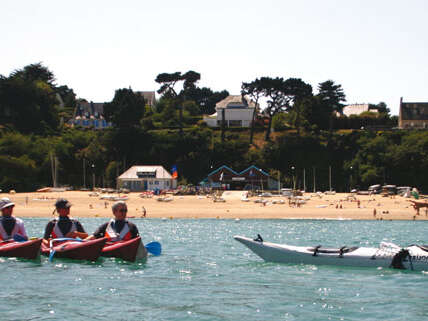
168,82
166,113
255,91
297,90
28,106
382,108
332,96
35,72
30,100
277,100
67,94
205,98
283,95
315,114
126,109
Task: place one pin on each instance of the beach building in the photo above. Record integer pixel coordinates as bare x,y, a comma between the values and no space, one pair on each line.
235,110
357,109
146,178
248,179
89,115
413,115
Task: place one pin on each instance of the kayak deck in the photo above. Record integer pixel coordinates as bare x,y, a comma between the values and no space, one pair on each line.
84,250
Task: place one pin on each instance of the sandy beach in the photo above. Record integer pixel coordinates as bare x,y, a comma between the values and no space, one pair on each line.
338,206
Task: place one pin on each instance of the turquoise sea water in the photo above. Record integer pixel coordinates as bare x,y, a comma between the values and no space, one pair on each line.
203,274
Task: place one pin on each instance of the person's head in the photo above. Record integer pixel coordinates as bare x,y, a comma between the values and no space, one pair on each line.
6,206
119,210
62,206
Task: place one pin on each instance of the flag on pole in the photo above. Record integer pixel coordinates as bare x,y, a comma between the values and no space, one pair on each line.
221,176
174,171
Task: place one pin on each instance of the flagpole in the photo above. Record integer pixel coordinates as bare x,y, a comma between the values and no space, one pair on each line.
304,179
314,179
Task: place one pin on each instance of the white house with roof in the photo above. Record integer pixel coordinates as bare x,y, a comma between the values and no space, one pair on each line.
146,178
236,110
357,109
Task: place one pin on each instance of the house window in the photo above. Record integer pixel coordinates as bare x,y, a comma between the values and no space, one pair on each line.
235,123
167,183
146,174
156,182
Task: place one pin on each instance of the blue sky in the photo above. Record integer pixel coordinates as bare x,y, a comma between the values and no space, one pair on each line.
377,50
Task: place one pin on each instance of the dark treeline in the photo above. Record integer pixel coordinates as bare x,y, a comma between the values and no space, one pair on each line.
33,132
357,159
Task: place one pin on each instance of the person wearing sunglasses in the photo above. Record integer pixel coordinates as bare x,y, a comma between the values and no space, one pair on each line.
63,226
10,227
118,228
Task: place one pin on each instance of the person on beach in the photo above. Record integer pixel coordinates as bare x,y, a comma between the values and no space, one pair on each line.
63,226
417,205
11,227
118,228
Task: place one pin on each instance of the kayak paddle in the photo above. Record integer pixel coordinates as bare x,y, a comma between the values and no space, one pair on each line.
154,248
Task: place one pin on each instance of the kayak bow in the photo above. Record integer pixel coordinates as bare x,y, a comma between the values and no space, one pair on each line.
126,250
26,250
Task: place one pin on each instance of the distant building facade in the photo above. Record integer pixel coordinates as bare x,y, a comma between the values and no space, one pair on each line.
149,97
413,115
236,110
89,115
146,178
357,109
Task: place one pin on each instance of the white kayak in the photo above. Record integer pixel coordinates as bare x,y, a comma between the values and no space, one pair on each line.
387,255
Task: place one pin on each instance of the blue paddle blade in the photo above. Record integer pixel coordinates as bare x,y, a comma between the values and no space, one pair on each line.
154,248
51,255
19,238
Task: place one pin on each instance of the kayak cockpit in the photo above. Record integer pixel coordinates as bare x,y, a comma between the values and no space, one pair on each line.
339,251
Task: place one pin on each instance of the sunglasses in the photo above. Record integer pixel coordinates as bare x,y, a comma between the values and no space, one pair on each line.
123,210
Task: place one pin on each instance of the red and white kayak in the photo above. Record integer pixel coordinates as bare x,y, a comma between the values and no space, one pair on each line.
130,250
414,257
26,250
77,250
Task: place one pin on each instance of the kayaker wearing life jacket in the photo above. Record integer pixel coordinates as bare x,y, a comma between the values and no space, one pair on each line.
63,226
10,227
119,228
